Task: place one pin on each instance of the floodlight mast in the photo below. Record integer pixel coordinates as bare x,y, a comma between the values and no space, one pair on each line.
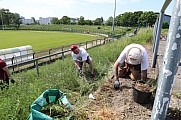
2,18
113,19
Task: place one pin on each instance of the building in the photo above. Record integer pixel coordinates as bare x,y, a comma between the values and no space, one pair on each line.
27,21
45,21
74,20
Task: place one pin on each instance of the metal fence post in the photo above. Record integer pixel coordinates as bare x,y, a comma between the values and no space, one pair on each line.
157,40
62,48
170,65
62,55
37,69
86,45
34,58
12,59
49,52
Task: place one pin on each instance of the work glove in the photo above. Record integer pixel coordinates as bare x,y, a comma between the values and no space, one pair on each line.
116,85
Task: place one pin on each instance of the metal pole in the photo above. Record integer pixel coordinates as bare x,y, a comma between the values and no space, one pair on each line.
155,34
49,52
157,40
37,69
34,58
170,66
63,56
113,21
2,19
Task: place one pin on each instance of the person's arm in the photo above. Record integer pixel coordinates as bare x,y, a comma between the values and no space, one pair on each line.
84,66
116,65
116,79
84,56
76,64
9,74
143,74
7,71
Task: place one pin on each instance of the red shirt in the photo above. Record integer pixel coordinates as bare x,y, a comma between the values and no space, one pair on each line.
3,73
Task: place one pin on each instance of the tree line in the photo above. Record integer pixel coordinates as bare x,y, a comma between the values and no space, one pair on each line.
127,19
8,18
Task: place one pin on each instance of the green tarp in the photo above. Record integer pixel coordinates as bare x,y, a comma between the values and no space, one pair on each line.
47,97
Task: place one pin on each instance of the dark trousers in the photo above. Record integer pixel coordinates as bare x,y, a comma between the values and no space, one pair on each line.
81,63
4,83
128,71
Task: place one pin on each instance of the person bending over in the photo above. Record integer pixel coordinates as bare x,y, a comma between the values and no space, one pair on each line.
132,63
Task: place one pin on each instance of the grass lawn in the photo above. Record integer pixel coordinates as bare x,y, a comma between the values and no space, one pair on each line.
41,40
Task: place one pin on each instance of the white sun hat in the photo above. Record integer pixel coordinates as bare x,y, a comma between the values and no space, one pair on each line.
134,56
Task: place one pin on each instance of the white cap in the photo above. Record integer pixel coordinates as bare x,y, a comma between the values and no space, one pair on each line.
134,56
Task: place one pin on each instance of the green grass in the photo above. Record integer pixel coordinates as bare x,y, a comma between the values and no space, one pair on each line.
41,40
76,28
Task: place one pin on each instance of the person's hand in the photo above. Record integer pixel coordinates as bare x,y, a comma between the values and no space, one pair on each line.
12,80
116,85
81,73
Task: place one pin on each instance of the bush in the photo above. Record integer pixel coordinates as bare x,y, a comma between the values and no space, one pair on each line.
98,27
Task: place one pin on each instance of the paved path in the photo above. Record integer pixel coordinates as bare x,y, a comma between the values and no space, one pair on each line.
161,51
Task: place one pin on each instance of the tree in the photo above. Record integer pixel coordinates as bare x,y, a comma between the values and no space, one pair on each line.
118,20
102,20
55,20
16,20
88,22
6,16
165,25
34,21
65,20
81,21
126,19
10,18
147,19
136,17
109,21
98,21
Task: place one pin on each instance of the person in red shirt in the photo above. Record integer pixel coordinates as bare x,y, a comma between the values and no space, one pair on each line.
5,75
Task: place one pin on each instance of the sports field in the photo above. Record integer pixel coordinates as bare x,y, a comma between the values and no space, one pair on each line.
41,40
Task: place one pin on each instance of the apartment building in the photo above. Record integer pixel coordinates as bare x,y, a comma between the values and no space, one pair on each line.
45,21
27,21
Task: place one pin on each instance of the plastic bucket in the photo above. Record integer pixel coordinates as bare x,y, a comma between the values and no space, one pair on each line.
140,96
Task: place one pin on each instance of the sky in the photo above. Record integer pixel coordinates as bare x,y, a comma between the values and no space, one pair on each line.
89,9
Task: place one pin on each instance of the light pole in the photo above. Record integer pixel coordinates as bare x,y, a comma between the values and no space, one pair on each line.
113,21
